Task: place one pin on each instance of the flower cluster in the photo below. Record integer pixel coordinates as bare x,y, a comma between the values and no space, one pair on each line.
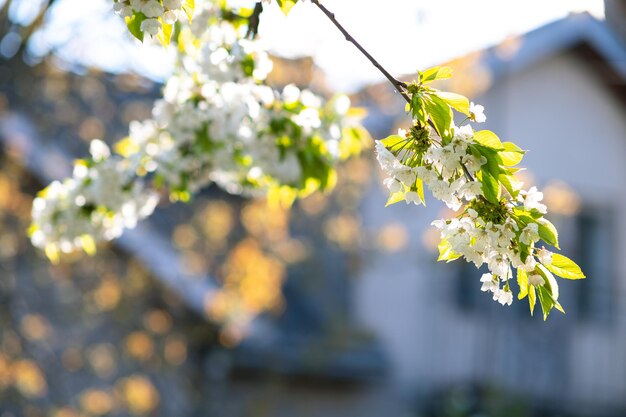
217,122
414,163
97,203
152,17
472,172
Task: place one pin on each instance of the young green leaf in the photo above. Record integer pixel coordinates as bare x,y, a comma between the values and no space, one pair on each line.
549,281
417,108
456,101
489,139
165,35
548,232
532,298
490,186
510,183
528,216
564,267
440,114
512,154
434,73
395,198
551,287
286,5
419,189
446,253
524,251
134,25
188,8
493,160
392,141
522,281
546,301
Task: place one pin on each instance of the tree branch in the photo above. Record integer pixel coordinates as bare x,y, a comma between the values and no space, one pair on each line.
254,20
399,85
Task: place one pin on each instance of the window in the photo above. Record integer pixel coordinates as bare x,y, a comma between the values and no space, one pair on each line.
594,250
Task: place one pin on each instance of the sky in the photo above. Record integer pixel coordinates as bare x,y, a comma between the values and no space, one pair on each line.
403,35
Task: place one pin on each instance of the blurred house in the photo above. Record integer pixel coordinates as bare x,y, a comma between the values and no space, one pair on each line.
559,91
153,324
356,317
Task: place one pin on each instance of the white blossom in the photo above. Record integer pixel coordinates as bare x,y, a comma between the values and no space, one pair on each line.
152,8
477,113
384,157
215,123
530,234
99,150
544,256
532,200
498,264
150,26
172,4
504,297
123,9
393,185
170,17
535,279
167,10
413,197
490,283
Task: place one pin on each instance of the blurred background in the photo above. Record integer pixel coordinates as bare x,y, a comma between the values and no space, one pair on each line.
337,307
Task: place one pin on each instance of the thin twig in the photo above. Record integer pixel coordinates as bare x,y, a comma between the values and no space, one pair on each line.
399,85
254,20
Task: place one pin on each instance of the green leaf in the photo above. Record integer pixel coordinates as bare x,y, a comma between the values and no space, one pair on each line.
435,73
559,307
393,140
286,5
511,184
165,35
532,299
564,267
548,232
353,140
456,101
545,300
548,292
493,160
549,281
419,188
532,215
395,198
417,108
134,25
446,253
441,115
188,8
490,186
524,251
512,154
489,139
522,281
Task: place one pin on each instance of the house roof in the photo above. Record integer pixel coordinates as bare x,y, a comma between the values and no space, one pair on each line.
476,72
561,35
